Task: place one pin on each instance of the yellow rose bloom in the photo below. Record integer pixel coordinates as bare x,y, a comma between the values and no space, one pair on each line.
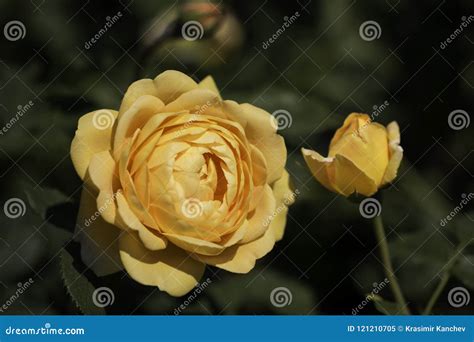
363,156
178,178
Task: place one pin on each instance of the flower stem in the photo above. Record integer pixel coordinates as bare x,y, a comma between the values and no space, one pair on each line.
385,254
444,278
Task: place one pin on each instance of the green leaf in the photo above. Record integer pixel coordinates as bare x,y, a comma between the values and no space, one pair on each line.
77,284
386,307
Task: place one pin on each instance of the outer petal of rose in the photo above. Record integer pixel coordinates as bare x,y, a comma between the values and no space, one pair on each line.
127,219
284,197
318,166
134,118
258,221
99,240
137,89
261,133
102,175
209,84
195,245
171,269
196,100
396,152
89,140
348,178
241,258
171,84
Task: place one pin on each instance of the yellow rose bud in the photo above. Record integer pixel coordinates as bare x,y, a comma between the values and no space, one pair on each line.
178,178
363,156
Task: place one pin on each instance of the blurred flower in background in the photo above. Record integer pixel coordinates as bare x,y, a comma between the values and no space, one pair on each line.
197,33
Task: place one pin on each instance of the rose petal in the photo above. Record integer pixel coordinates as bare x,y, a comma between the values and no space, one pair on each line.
137,89
171,84
102,172
209,84
348,178
195,245
396,153
135,118
318,165
284,197
126,218
365,145
260,219
171,269
90,140
241,258
261,133
196,101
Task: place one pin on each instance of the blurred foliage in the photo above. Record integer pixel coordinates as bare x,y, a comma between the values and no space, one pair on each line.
319,70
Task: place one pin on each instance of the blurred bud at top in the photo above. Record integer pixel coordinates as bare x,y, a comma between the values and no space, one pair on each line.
200,34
